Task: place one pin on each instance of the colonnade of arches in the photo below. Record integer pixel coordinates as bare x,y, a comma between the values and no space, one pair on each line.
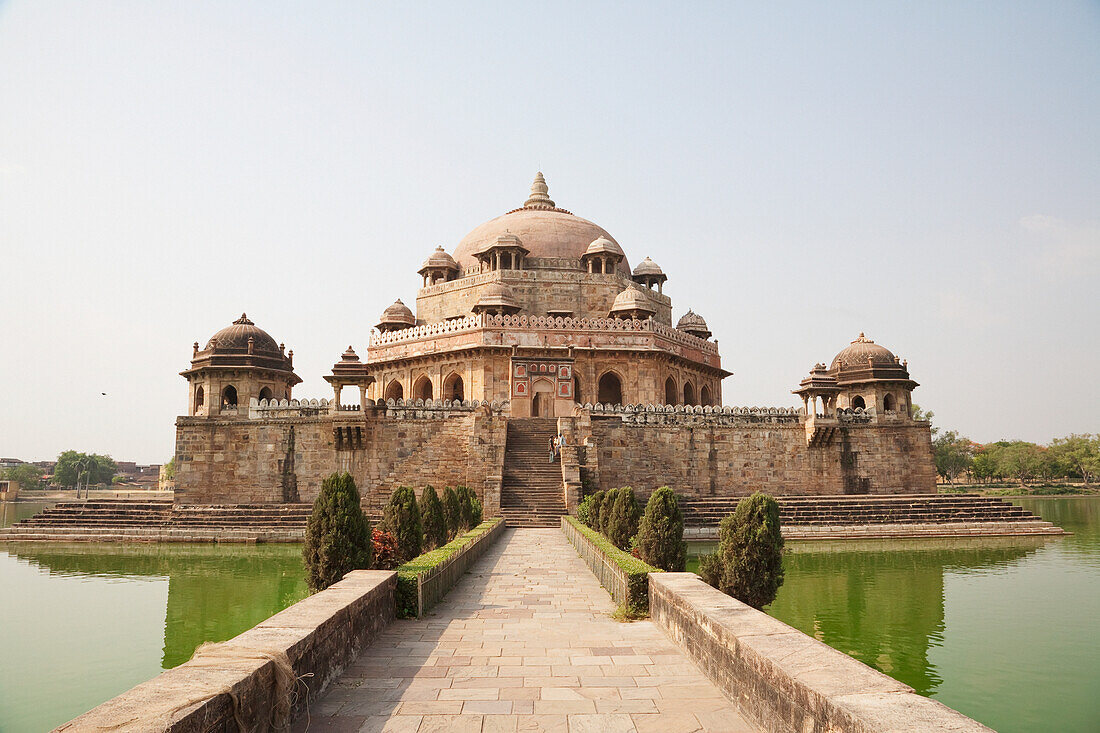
423,389
674,396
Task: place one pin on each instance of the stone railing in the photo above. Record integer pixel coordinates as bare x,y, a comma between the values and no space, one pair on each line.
259,409
318,637
696,414
781,679
624,576
433,585
437,409
536,323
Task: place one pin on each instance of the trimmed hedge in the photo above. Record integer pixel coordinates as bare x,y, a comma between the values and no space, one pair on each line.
408,573
636,571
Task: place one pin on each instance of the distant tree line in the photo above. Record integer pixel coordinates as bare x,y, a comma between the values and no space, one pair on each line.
1072,458
72,466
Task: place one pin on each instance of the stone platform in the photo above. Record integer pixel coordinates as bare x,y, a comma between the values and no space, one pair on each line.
525,642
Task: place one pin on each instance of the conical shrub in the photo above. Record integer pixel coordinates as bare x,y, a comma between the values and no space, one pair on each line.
338,535
470,506
623,522
452,512
401,518
661,532
750,552
431,513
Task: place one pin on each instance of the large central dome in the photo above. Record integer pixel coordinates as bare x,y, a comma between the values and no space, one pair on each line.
544,230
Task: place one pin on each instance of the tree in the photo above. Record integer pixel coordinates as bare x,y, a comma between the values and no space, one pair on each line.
919,414
1021,460
984,465
1078,454
595,509
749,562
452,512
470,506
953,454
170,469
661,532
605,510
623,522
435,524
73,467
28,475
401,518
338,535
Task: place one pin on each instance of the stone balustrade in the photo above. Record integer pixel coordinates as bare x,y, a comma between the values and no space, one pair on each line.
538,323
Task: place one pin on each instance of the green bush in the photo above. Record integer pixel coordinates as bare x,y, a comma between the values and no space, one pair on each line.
750,552
661,532
401,517
584,510
637,571
595,509
605,510
338,536
408,573
469,507
431,514
623,521
452,512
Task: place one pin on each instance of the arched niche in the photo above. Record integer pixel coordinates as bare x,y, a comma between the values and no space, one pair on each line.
610,389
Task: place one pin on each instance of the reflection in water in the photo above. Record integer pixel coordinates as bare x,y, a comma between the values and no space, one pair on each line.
880,602
214,591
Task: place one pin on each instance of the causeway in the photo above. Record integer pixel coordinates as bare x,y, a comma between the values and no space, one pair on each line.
525,642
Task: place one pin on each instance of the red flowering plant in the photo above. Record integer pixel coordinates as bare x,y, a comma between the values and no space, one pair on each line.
386,556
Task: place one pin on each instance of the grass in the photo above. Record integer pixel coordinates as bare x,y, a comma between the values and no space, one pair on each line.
408,573
637,571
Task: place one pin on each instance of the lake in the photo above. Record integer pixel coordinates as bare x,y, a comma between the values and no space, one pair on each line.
81,623
1001,629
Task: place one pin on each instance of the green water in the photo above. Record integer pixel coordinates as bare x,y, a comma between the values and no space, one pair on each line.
1001,629
80,623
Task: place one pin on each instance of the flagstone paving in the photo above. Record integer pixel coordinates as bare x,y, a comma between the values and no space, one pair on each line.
524,642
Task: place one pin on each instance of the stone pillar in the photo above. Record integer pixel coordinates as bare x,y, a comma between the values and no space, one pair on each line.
363,396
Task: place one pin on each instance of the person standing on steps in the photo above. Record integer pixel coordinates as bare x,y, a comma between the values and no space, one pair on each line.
552,450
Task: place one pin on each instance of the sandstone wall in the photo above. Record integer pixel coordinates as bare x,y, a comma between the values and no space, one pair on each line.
719,460
285,459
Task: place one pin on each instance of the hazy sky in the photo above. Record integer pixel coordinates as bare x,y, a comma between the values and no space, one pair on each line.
926,172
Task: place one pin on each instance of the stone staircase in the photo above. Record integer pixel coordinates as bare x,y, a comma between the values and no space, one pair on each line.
159,520
531,493
894,516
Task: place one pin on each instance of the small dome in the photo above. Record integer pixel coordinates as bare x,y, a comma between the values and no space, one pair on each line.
603,245
860,351
632,301
648,267
497,296
439,260
397,315
235,337
693,323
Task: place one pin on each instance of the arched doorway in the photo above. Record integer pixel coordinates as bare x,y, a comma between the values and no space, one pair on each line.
265,393
577,389
858,402
200,400
394,391
670,391
422,389
705,397
453,388
888,403
229,396
689,393
611,389
542,398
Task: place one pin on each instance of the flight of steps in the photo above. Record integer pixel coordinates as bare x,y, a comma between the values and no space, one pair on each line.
104,520
531,493
859,516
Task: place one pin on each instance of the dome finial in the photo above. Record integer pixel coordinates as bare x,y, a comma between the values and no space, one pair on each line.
540,194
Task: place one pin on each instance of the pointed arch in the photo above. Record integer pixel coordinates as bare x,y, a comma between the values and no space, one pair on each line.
689,394
610,389
200,400
889,404
229,396
265,393
394,390
422,388
670,392
453,388
858,401
705,397
577,389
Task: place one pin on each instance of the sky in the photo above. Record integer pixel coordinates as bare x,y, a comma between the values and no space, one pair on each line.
928,173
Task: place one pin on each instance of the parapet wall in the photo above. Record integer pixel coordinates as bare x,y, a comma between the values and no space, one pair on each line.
705,452
781,679
319,637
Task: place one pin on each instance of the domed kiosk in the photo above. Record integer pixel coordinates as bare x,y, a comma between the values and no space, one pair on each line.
240,362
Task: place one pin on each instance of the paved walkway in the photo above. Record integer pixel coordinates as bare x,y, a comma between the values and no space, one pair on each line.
524,642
